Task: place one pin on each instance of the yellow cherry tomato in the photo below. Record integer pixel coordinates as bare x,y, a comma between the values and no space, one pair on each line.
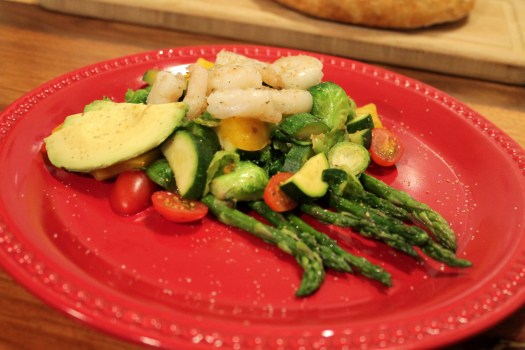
248,134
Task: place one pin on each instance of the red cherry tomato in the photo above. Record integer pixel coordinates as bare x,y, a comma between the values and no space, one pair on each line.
177,209
386,148
274,197
131,192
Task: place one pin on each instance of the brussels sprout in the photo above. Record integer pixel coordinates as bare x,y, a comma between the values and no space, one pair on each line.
331,104
245,183
323,142
221,161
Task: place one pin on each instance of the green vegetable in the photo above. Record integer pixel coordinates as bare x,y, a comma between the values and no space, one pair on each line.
363,226
438,253
205,133
302,125
419,212
346,185
161,173
137,96
296,157
311,263
245,183
279,137
350,157
330,258
332,254
360,122
353,109
271,160
331,104
206,119
189,156
323,142
413,235
362,137
221,162
341,183
361,264
307,184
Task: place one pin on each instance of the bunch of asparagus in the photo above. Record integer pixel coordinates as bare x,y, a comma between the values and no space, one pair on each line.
368,206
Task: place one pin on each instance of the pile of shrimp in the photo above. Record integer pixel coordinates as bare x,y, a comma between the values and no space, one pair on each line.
239,86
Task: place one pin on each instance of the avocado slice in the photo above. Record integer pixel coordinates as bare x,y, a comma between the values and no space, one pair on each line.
114,133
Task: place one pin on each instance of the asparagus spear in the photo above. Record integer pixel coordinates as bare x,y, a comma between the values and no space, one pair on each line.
413,234
332,254
419,212
363,226
437,252
330,258
313,271
348,186
365,267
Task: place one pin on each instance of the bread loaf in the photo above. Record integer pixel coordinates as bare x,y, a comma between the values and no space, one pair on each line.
403,14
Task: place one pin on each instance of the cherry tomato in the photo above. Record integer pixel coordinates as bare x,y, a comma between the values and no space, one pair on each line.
274,197
386,148
131,192
177,209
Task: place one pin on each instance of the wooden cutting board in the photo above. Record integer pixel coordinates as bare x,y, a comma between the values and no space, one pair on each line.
489,44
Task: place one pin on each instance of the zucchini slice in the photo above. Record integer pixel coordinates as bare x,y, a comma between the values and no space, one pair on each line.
296,157
362,137
307,184
205,133
189,156
349,156
301,126
340,182
360,122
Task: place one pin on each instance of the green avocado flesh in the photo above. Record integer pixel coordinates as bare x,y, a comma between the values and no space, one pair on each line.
116,132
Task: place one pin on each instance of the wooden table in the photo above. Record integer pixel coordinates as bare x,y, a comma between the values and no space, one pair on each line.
36,46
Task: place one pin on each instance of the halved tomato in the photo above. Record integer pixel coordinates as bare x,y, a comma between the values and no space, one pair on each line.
386,148
174,208
274,197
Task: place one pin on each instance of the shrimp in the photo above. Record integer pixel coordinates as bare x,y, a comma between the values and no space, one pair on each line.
299,72
244,103
268,73
264,104
196,93
234,76
167,87
292,101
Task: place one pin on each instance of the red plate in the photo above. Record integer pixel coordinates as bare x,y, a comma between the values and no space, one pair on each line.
207,286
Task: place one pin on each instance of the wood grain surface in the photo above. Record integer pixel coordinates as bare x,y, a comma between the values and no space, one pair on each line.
38,45
489,44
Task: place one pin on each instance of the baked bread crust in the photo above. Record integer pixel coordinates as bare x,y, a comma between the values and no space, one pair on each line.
384,13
